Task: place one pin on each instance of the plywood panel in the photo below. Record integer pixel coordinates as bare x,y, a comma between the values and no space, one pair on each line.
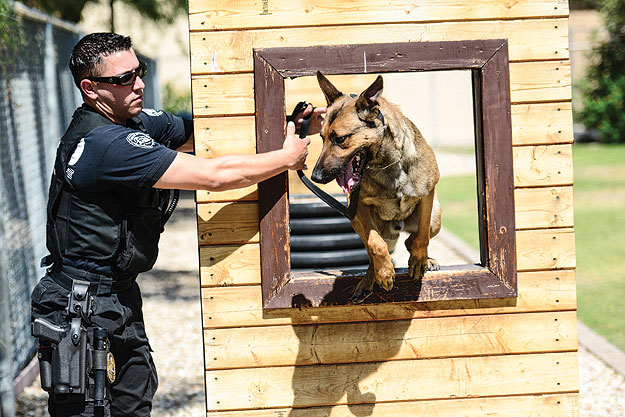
394,340
231,51
549,248
227,223
241,306
392,381
555,405
234,93
543,165
542,123
228,14
543,207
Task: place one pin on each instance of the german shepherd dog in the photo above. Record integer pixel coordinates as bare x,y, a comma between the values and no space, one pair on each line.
369,143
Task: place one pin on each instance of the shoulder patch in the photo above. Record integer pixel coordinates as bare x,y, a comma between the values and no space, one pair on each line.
140,140
152,112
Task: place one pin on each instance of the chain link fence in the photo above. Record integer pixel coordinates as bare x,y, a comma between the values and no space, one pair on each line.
37,100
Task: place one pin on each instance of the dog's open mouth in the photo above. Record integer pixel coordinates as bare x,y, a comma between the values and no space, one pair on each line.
351,175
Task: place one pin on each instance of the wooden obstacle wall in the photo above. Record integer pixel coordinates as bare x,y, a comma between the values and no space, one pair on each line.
477,357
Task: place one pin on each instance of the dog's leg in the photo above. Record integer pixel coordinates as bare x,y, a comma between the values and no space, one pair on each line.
417,243
381,269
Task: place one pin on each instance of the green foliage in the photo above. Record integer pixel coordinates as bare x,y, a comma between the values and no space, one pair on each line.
71,10
176,101
604,87
11,36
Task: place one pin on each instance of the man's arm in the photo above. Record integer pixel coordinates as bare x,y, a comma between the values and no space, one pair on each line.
188,172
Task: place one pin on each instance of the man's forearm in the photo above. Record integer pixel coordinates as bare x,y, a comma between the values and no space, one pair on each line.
226,172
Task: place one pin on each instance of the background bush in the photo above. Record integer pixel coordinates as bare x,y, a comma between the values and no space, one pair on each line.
603,89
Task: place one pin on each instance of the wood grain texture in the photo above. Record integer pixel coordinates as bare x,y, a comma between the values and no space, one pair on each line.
241,306
549,248
543,207
237,88
394,340
392,381
228,14
229,265
542,123
230,51
553,405
540,166
531,79
227,223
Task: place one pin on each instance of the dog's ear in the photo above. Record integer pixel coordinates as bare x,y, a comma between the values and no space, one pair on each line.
329,90
367,103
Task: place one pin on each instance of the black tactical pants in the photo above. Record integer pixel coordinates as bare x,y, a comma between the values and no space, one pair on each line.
120,313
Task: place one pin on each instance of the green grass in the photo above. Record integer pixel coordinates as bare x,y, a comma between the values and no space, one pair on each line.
600,238
458,198
599,232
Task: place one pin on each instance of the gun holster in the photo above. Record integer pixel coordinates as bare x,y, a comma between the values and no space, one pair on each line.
73,358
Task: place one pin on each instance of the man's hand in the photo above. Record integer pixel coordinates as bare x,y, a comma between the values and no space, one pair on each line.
296,148
317,119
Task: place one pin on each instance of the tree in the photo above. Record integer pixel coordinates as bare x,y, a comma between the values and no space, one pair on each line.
603,88
71,10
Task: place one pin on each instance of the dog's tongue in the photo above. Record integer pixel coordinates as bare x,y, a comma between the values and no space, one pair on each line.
346,179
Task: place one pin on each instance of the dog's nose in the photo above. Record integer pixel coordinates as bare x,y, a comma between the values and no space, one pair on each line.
316,175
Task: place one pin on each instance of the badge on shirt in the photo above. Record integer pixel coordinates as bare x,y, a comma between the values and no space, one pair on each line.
110,367
140,140
152,112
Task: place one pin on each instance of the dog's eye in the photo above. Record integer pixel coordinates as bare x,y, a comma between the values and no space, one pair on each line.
340,139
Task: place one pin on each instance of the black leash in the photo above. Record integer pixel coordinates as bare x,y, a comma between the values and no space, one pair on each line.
350,211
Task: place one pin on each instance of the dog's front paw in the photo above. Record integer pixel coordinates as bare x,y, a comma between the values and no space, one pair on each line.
385,277
417,266
364,288
433,265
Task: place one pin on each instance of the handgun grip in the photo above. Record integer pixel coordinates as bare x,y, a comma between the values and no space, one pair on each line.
47,331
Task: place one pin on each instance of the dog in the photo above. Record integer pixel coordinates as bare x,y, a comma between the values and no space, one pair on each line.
369,144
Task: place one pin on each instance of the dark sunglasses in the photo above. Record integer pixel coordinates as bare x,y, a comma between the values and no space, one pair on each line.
127,78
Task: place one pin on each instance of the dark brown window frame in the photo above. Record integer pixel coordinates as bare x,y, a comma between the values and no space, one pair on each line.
495,276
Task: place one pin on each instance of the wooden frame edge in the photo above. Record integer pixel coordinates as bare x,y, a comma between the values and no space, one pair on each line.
488,60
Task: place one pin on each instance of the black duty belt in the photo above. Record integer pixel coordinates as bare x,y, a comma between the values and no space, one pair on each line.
349,211
98,284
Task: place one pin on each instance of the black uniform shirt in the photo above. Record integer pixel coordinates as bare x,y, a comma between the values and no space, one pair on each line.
115,154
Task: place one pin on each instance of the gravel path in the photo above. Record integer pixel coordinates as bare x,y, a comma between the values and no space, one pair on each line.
173,319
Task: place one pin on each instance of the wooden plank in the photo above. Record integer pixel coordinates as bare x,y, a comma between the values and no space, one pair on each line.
543,165
230,265
542,123
549,248
530,79
543,207
228,14
304,386
233,94
553,405
394,340
217,136
241,306
227,223
231,51
218,95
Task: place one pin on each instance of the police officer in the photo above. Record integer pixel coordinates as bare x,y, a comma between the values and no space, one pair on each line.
107,203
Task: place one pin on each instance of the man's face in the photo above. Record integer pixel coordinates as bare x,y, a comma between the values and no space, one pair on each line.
119,102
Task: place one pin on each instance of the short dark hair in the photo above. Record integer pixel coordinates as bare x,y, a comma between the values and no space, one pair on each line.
87,55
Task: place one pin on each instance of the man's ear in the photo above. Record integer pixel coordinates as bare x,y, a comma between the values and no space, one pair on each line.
86,87
329,90
367,103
